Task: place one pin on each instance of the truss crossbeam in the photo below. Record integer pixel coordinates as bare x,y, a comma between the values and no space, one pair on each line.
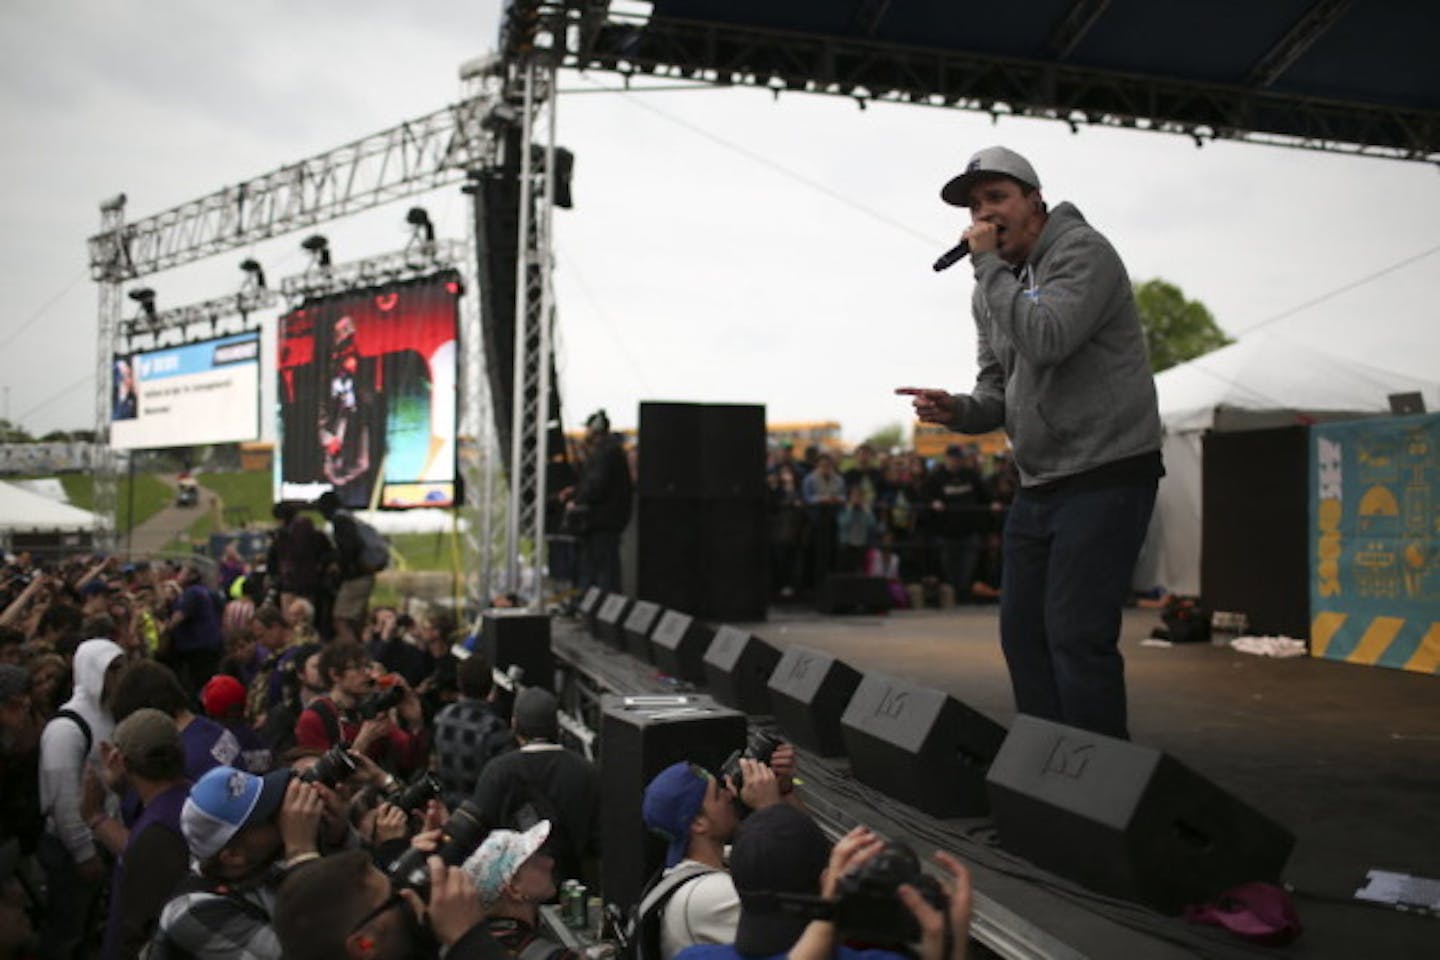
411,158
871,70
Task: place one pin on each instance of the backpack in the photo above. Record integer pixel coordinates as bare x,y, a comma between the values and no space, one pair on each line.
642,929
374,554
82,724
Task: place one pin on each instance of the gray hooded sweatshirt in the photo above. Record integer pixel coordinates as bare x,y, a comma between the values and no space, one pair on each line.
1062,359
62,749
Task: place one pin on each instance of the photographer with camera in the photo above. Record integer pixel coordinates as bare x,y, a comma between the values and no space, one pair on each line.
344,906
383,724
693,899
868,880
245,834
544,781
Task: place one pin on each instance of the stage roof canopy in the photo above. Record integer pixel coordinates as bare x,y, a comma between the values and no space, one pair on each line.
1339,75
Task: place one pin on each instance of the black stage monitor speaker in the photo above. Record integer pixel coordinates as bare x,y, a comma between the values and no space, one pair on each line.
641,620
519,638
737,670
610,621
920,745
589,607
678,646
639,737
853,593
1126,820
809,691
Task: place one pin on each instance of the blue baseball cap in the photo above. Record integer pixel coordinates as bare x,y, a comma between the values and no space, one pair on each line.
672,802
225,801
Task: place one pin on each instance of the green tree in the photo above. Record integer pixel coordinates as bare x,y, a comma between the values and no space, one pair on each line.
1176,329
14,433
888,437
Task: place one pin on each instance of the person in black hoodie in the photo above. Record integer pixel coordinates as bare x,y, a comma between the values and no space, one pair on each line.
598,506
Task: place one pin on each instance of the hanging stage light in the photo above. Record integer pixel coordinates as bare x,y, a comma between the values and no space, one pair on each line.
256,273
146,298
318,248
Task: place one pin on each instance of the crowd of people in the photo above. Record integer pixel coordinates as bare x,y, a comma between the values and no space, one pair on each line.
223,759
895,516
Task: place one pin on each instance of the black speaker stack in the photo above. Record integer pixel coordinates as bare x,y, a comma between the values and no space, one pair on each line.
639,737
702,546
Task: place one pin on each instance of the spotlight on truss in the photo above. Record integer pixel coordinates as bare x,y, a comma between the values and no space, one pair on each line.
255,271
146,298
318,248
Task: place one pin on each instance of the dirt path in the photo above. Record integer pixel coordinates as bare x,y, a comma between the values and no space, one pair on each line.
151,536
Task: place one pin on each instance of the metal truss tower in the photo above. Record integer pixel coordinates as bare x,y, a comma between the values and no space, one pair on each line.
440,148
532,86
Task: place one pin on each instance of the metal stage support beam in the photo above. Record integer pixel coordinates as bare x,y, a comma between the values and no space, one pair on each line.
872,70
532,85
435,150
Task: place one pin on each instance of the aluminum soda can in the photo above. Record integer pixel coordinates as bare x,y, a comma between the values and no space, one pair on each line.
567,902
580,918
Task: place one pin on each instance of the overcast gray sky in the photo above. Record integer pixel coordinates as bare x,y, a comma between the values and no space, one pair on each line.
724,246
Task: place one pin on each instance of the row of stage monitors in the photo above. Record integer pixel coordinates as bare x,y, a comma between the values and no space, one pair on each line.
1120,818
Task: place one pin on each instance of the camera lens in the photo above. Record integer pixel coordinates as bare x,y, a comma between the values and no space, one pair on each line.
419,792
333,767
461,835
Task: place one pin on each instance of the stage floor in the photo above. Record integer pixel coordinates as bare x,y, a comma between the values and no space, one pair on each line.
1347,757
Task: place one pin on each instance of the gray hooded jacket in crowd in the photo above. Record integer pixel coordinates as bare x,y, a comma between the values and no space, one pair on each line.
62,749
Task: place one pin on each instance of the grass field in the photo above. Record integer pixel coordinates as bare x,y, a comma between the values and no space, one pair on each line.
151,496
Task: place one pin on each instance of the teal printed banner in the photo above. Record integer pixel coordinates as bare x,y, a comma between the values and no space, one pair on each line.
1375,542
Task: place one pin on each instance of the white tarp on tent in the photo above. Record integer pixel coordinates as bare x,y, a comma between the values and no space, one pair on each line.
1263,380
24,512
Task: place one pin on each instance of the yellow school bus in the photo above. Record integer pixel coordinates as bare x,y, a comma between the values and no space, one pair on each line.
801,434
932,439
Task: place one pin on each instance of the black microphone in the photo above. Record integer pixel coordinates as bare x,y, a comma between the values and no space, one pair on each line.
952,256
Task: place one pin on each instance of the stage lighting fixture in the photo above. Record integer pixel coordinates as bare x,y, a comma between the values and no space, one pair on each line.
420,220
146,298
319,249
256,272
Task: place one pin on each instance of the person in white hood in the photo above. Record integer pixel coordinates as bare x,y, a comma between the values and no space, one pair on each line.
74,871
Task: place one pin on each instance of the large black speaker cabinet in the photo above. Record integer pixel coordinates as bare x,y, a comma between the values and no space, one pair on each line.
639,737
707,451
920,745
610,621
1255,523
702,539
1126,820
809,691
639,624
678,646
738,666
706,557
519,638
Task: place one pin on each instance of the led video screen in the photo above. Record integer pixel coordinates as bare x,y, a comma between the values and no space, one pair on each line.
367,395
206,392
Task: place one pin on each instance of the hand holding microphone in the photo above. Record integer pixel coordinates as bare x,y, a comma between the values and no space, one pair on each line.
982,234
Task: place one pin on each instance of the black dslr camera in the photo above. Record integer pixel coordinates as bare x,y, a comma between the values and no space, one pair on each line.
374,704
867,908
413,797
760,746
333,768
461,836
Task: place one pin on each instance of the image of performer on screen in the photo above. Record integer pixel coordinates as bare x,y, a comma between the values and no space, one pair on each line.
345,418
123,406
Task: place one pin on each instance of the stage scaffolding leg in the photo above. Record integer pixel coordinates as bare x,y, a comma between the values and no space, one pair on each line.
532,340
109,274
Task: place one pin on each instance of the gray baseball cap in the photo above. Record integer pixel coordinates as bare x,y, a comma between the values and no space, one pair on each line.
989,162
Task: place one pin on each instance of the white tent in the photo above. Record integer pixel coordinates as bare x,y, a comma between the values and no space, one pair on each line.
24,512
1264,380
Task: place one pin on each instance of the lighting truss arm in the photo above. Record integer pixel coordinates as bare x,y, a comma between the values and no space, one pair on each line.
410,158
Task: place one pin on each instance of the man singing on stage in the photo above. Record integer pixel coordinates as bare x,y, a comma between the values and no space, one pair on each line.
1063,368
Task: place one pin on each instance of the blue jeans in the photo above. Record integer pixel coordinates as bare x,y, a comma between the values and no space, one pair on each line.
1069,558
70,902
